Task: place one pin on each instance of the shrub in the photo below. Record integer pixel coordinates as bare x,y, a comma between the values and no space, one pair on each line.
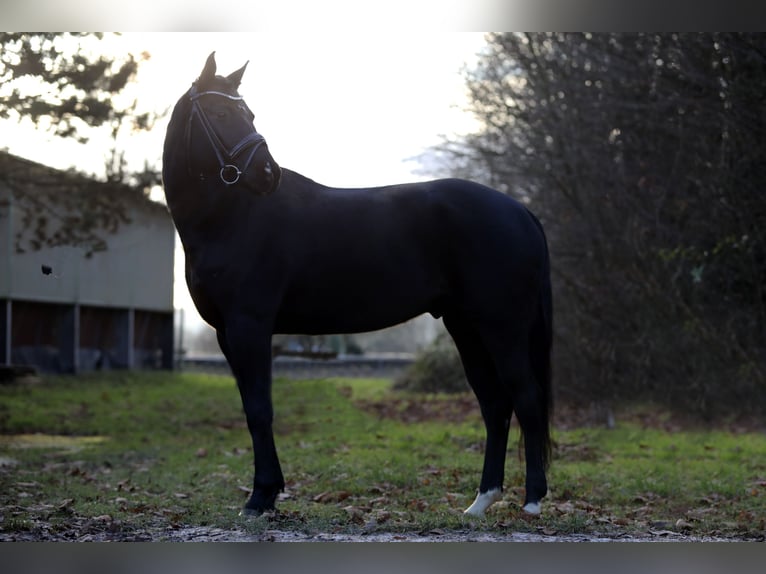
437,369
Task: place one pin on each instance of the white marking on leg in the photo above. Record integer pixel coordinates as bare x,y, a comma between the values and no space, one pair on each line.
483,501
532,508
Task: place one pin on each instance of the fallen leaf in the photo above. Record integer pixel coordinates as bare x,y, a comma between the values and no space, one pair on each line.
418,504
454,497
322,496
382,516
605,520
331,496
565,507
621,521
355,513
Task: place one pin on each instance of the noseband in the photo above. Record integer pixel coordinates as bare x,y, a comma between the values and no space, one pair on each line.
229,172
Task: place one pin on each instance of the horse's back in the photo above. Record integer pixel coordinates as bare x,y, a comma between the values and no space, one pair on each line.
444,222
449,205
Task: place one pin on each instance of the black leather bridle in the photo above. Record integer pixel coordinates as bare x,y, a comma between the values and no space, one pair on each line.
227,157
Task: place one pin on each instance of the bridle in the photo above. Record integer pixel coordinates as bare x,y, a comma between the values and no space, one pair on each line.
229,172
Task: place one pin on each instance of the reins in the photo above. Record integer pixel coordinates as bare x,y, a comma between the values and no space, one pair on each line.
229,170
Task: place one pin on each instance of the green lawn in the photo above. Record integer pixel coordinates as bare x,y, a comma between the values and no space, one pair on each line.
131,452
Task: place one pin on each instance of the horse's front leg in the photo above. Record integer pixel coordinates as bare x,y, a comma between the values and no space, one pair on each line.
247,346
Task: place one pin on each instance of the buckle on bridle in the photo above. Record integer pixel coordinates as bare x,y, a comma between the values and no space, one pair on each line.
233,173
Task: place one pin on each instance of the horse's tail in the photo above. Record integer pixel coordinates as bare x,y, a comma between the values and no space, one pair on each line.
540,347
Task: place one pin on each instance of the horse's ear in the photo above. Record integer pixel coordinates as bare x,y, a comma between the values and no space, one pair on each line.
235,78
208,73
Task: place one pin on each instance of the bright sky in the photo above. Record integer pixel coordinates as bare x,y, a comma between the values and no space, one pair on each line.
344,109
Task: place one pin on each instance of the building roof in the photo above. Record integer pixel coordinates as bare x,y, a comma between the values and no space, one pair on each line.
27,176
66,207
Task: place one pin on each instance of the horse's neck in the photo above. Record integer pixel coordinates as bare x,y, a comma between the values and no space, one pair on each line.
202,210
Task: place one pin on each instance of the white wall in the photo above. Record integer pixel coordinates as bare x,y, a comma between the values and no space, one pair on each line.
136,271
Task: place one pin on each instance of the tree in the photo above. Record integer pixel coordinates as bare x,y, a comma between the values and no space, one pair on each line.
66,84
644,156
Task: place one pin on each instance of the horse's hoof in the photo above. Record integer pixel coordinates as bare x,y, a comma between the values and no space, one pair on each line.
260,504
483,501
250,512
532,508
254,513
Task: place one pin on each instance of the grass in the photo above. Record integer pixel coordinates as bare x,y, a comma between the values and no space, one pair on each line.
126,453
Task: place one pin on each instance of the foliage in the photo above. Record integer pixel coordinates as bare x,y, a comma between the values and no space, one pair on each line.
436,369
644,156
55,79
67,84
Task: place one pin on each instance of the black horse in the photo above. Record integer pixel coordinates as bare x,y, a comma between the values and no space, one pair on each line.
271,251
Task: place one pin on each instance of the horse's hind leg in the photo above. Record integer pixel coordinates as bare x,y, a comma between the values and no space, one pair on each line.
513,364
496,409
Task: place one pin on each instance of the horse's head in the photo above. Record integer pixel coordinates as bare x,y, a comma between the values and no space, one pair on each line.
221,140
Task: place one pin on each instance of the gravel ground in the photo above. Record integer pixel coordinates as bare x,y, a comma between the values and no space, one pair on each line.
217,535
110,533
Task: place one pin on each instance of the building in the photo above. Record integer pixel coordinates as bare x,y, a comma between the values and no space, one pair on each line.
86,272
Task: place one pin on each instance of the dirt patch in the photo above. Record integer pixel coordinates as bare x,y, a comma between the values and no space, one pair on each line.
461,407
49,441
448,408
